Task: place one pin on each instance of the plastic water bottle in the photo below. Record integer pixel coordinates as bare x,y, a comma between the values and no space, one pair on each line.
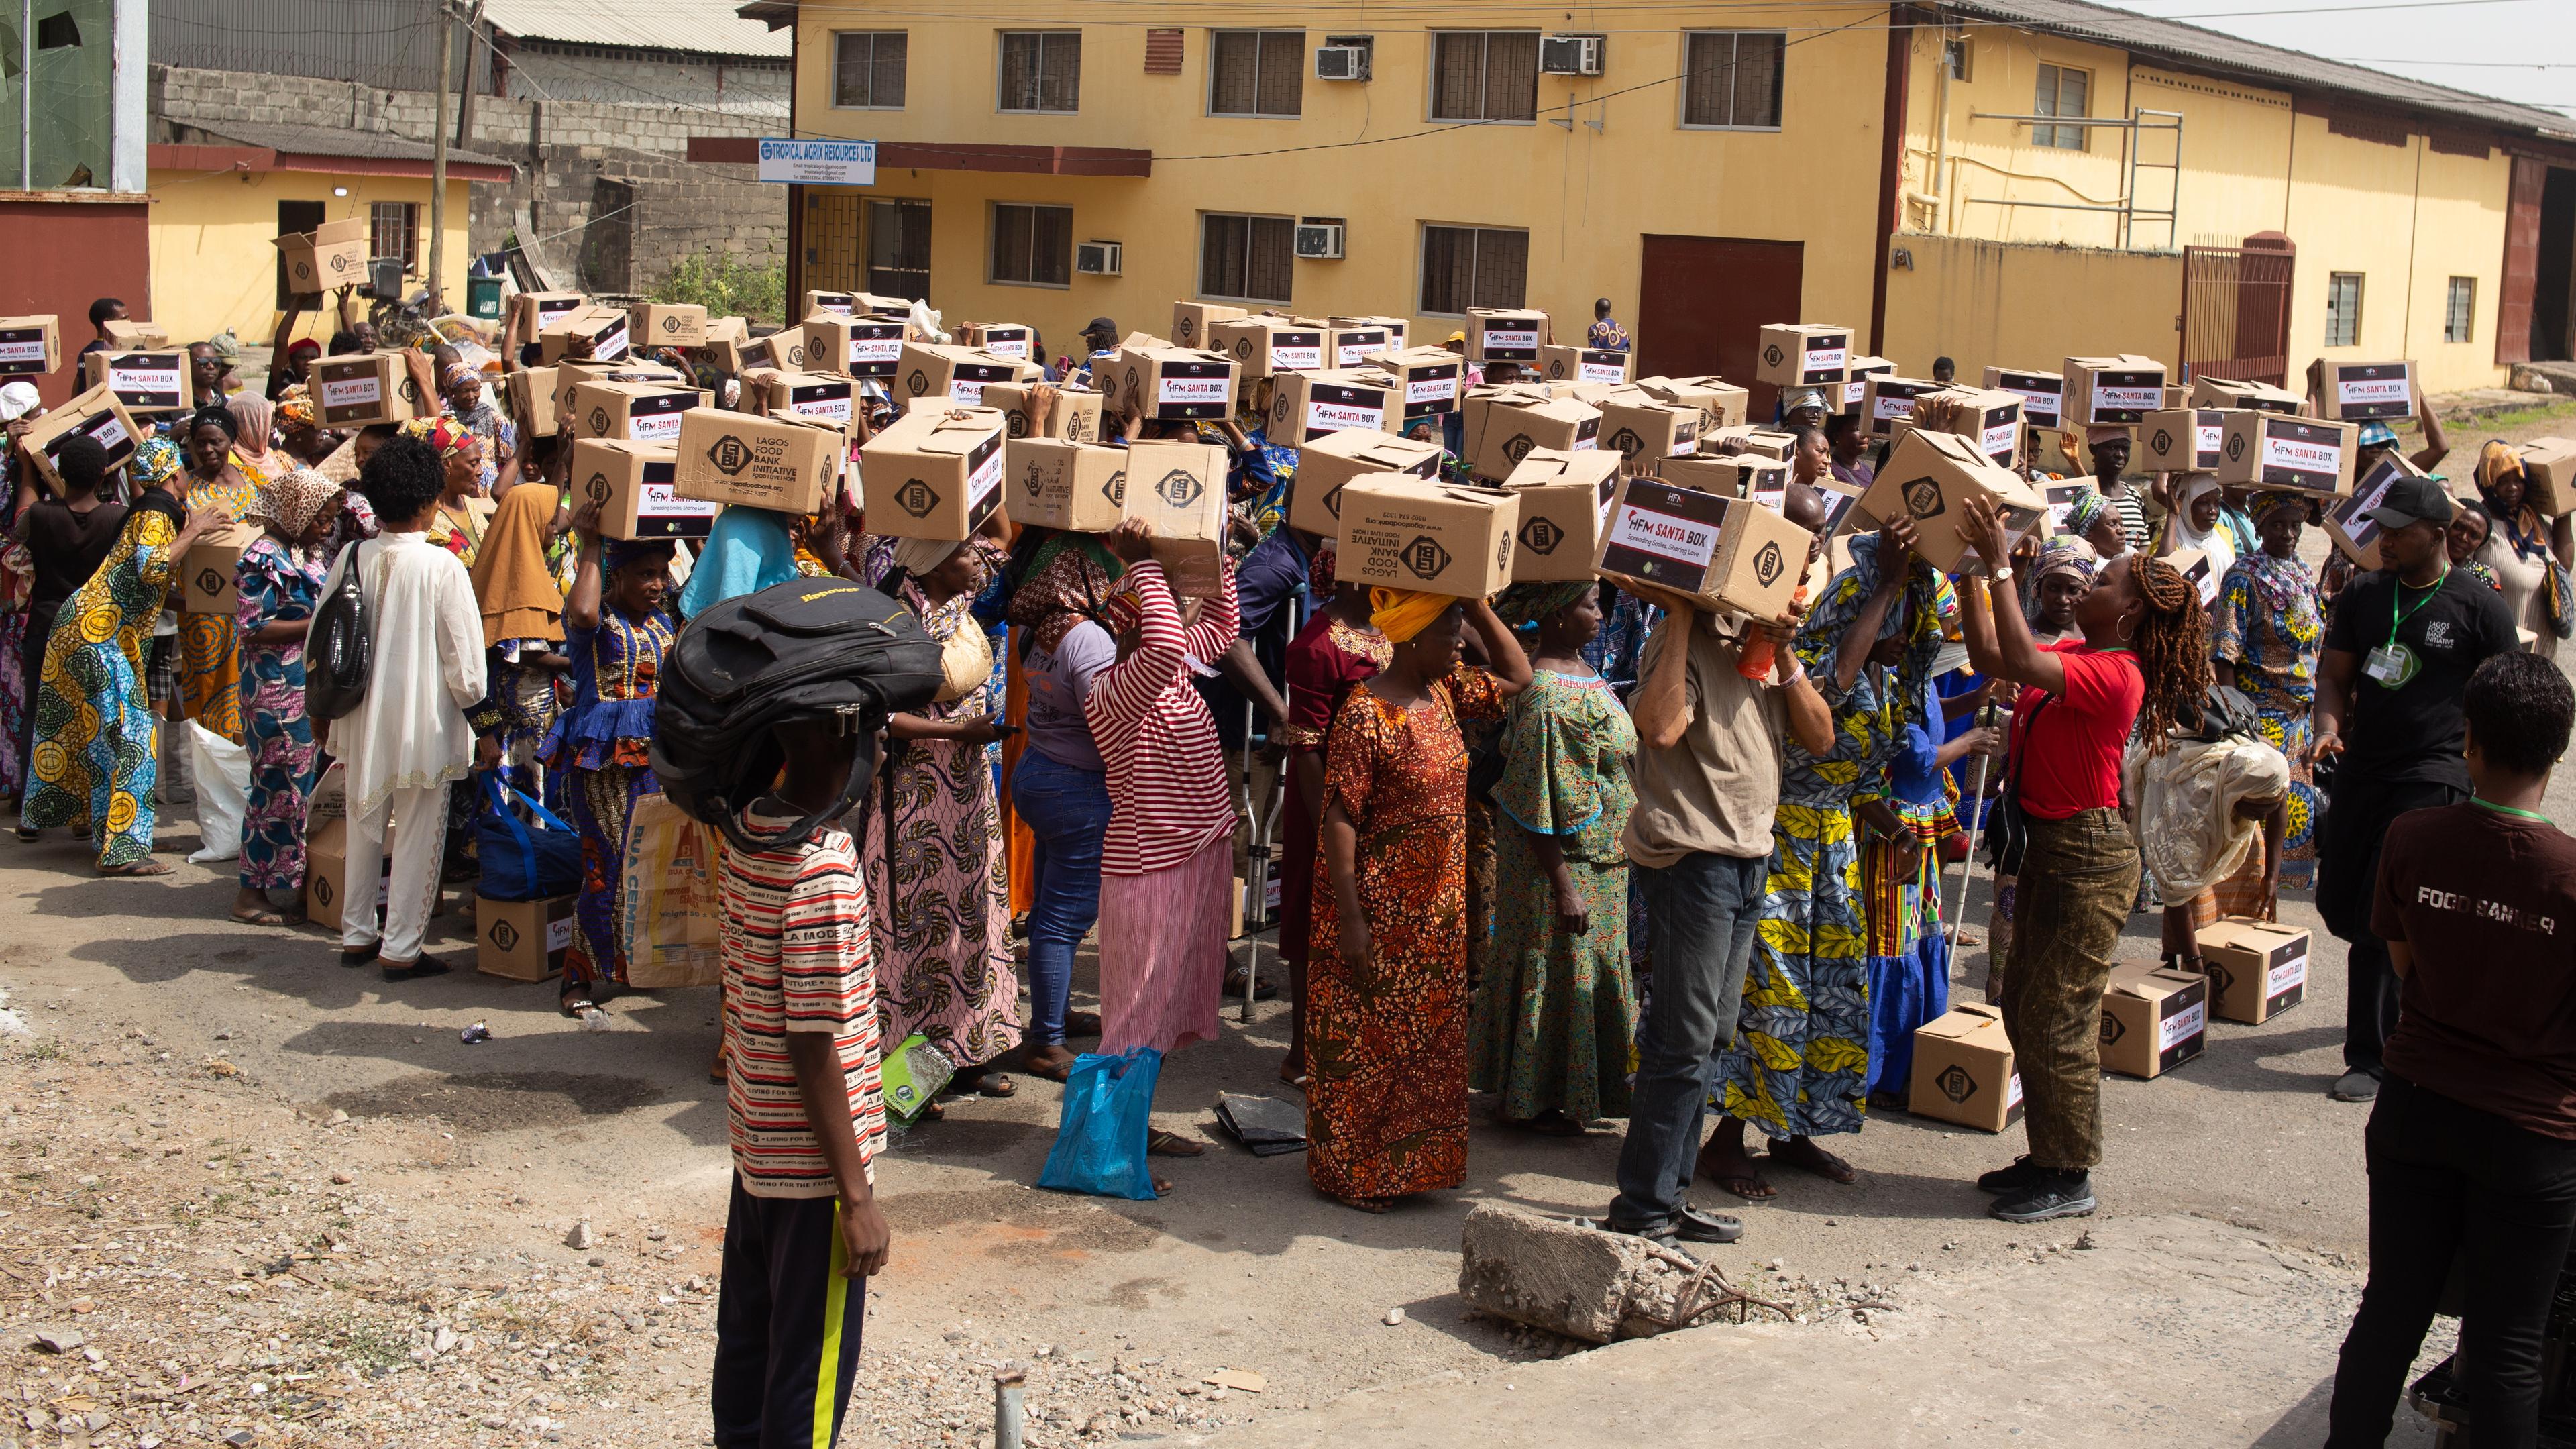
1759,655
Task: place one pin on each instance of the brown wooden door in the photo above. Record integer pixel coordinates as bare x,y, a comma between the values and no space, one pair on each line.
1703,302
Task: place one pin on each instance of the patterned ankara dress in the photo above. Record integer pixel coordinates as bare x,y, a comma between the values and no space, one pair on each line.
276,584
1386,1045
603,748
93,760
209,645
2270,623
1556,1015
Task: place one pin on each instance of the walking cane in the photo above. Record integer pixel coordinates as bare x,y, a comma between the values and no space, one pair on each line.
1977,820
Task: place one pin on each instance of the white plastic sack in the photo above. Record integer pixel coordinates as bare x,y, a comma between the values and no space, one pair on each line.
925,320
221,770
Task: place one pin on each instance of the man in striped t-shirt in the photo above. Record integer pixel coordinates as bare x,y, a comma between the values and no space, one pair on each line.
805,1112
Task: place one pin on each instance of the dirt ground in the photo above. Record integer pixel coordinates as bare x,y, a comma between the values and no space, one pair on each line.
255,1198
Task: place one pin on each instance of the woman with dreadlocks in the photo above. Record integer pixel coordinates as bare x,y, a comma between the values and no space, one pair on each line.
2142,649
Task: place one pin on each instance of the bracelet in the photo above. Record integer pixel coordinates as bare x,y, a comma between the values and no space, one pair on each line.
1796,674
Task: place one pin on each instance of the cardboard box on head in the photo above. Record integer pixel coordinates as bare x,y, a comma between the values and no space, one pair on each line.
1564,502
1326,465
836,304
208,583
30,346
854,346
1504,423
2256,969
726,338
1072,414
1805,354
1429,538
1760,442
2312,455
331,255
955,373
822,396
1191,321
1350,341
640,412
1173,384
1267,346
2357,392
1179,490
1305,406
1930,476
1506,334
1432,378
935,474
783,351
2348,520
531,313
1991,418
2153,1020
2261,397
128,333
364,389
1585,364
2122,389
1641,430
1742,475
603,329
1014,340
787,465
668,324
1856,381
1721,404
1058,483
2042,394
1963,1070
633,485
146,382
1886,399
532,401
1733,554
2549,475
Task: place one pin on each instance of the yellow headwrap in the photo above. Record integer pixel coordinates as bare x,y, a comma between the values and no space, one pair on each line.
1400,614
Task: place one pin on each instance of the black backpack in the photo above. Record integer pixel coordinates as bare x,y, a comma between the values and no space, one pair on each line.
805,649
339,652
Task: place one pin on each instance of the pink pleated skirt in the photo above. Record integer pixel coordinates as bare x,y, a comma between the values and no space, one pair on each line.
1162,952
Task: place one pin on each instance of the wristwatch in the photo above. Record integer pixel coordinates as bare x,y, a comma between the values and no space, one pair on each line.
2000,576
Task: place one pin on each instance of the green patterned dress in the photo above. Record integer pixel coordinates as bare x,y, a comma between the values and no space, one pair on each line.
1555,1015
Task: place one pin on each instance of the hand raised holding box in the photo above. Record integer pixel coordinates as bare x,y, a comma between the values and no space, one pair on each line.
1132,540
1985,533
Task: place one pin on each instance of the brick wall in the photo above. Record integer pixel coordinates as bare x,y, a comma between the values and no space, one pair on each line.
564,151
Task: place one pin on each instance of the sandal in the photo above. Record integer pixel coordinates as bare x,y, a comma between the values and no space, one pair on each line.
263,918
1159,1143
420,967
1262,989
1162,1185
1082,1023
1803,1154
361,955
985,1083
138,868
577,1004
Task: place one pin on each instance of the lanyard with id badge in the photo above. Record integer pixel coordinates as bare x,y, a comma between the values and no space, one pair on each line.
2393,664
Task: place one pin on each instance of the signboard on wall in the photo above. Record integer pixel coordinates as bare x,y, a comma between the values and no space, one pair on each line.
818,163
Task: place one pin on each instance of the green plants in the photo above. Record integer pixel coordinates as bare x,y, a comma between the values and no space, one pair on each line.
726,286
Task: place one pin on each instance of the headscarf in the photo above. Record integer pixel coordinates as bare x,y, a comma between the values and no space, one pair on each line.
2065,556
458,375
216,414
294,499
623,553
513,586
1400,614
251,413
1916,615
154,460
919,556
2262,504
2522,526
1525,606
446,435
295,408
2187,799
2086,509
1069,579
2216,543
747,550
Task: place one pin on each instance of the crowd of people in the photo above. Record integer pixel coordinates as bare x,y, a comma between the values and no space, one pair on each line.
1592,851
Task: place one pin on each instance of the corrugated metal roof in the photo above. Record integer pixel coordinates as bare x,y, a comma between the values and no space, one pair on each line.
705,27
2297,69
334,141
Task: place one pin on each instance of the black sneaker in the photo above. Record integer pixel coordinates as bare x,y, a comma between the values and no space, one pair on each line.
1694,1226
2052,1195
1666,1234
2010,1179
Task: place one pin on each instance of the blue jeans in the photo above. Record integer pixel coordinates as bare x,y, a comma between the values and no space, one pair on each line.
1701,911
1068,811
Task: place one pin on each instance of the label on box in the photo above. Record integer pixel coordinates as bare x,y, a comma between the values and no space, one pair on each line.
558,934
2039,408
874,350
1686,541
1824,359
2205,441
1353,408
364,390
157,384
657,419
1005,342
105,429
22,349
2000,439
1354,347
820,400
2126,397
1516,338
2377,393
2286,977
967,390
2181,1027
1296,351
1433,392
1892,405
1605,367
1180,384
2298,454
983,479
839,304
611,343
657,504
2012,1092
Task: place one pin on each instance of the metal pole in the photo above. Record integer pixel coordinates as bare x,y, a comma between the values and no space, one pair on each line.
1968,866
27,96
438,161
1007,1420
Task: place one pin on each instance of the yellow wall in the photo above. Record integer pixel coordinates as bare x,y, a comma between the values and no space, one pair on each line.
1991,303
214,252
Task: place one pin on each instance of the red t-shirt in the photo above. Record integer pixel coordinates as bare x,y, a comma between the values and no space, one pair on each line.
2070,753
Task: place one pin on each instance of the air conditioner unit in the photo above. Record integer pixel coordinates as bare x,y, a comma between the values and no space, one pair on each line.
1569,54
1097,258
1319,242
1342,62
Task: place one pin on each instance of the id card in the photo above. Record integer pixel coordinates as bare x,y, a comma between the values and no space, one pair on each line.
2390,664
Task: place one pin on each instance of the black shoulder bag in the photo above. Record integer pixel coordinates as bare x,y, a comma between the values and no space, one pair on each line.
339,654
2007,824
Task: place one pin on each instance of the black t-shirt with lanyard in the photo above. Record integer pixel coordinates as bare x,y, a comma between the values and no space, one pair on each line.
2415,648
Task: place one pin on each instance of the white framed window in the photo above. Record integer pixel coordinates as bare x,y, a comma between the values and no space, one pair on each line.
1256,72
2063,91
1247,258
1041,71
1473,266
868,68
2460,311
1032,245
2343,309
1484,75
1734,79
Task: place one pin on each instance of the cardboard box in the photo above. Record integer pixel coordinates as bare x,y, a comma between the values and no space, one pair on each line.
786,464
207,581
1759,442
530,312
783,351
2177,397
1856,380
1074,416
854,346
2356,392
1734,554
1989,417
1325,465
146,382
1352,341
1433,378
326,872
1744,475
632,483
604,328
1059,483
2198,571
1173,384
668,324
2106,390
1963,1070
1191,321
1305,406
127,334
30,346
837,304
1268,346
1504,423
1179,490
1565,500
640,412
1397,329
531,393
1929,475
1585,364
2042,394
937,474
1641,430
2312,455
1886,398
1721,404
2261,397
572,373
1014,340
1505,334
330,256
364,389
1427,537
2153,1020
2348,521
522,940
2257,969
824,397
726,338
2549,475
2186,440
928,369
1805,354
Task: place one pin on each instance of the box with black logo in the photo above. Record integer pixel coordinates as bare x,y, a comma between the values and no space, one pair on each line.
1963,1070
2549,475
1733,554
1014,340
1886,399
603,330
854,346
1350,341
2112,390
2185,440
1396,329
2042,394
638,412
30,346
1504,423
1191,321
2357,392
1928,476
824,397
1327,464
1740,475
1585,364
522,940
669,324
146,382
726,338
2256,969
326,871
1403,534
333,254
936,475
1173,384
1641,430
1431,377
1178,489
1565,499
1305,406
1072,414
2227,392
2311,455
208,583
1505,334
1804,354
632,484
365,389
1267,346
2153,1020
1058,483
1856,380
787,464
531,313
958,374
1721,404
1989,418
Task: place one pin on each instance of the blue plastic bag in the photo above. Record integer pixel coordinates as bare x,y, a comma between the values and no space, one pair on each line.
1100,1142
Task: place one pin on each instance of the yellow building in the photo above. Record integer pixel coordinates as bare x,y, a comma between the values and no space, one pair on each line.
220,200
2006,181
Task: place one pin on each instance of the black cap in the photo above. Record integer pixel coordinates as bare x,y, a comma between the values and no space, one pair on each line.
2413,500
1101,326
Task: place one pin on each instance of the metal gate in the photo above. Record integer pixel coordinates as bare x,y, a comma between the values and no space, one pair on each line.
2236,311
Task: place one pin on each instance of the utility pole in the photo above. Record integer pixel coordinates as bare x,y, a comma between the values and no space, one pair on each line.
465,86
438,162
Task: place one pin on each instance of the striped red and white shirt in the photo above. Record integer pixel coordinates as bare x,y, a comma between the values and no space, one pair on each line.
797,957
1167,783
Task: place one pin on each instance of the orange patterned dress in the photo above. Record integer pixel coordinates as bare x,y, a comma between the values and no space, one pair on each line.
1386,1046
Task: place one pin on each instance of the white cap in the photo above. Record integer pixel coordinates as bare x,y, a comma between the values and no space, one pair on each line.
17,400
